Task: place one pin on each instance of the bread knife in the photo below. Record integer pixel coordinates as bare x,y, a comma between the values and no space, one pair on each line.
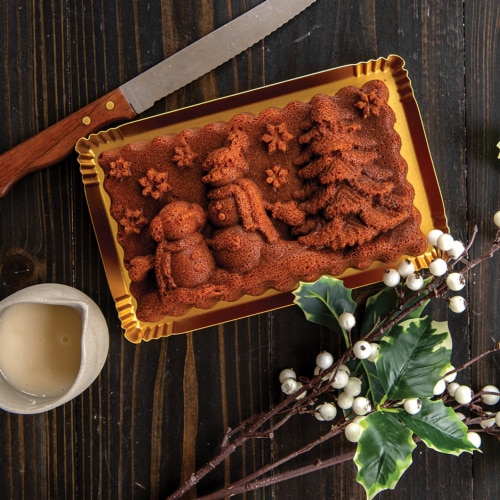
135,96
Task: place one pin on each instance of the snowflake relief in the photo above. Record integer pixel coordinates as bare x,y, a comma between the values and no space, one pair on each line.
184,156
277,138
155,184
276,176
369,103
133,221
119,169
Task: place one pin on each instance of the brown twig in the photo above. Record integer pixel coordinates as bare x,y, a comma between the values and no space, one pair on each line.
471,361
278,478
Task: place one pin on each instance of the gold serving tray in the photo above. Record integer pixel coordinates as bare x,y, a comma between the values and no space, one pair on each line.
415,150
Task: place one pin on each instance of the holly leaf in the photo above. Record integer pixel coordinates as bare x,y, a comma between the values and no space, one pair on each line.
324,301
372,387
383,453
439,428
388,304
414,355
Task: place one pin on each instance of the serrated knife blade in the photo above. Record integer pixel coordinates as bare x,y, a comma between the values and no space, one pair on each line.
132,98
209,52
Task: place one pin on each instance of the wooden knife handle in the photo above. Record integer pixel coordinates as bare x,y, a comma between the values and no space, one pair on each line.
56,142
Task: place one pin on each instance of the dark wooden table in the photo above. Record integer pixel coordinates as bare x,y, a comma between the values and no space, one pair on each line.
160,409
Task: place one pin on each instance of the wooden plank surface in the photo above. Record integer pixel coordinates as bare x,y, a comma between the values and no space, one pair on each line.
160,409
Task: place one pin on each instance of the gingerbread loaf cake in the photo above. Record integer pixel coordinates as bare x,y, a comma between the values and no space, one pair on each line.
262,201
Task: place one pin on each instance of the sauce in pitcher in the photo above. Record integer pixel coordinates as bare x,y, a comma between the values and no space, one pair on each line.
40,347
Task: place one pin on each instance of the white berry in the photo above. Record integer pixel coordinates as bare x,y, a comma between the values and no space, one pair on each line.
353,387
361,406
458,304
347,321
455,281
362,349
375,351
439,388
415,282
496,219
452,388
406,268
456,250
391,277
340,380
289,386
287,373
302,394
445,242
433,235
487,422
318,370
327,411
450,374
490,399
324,360
412,406
344,368
497,418
345,401
438,267
353,432
463,394
474,438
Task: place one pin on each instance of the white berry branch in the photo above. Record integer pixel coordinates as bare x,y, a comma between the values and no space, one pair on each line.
332,385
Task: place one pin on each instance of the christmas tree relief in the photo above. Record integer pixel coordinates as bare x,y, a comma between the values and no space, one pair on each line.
346,189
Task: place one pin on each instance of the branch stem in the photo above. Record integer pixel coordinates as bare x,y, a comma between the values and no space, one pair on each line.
278,478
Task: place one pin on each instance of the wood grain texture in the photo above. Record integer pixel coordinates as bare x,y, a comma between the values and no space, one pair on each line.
161,408
482,57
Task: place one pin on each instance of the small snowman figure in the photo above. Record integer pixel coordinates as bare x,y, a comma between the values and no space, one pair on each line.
182,257
236,208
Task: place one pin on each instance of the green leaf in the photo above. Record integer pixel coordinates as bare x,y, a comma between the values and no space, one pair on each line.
383,453
374,389
439,428
414,355
324,300
386,304
378,307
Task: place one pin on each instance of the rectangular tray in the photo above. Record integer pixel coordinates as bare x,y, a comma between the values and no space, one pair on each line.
415,151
